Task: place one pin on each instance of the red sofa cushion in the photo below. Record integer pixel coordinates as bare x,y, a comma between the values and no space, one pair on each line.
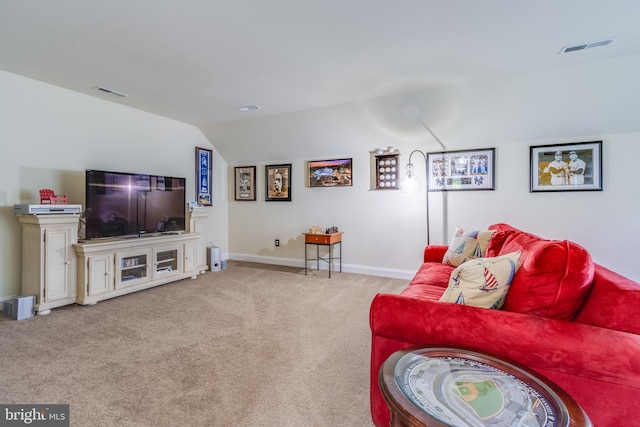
612,303
422,291
554,276
433,273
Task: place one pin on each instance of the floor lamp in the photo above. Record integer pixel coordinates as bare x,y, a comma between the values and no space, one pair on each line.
413,183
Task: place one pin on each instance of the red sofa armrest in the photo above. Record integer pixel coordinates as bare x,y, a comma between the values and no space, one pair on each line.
568,353
434,253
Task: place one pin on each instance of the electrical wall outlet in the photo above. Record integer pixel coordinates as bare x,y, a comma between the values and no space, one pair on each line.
277,242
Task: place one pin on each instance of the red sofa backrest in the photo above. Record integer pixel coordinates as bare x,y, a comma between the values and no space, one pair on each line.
554,277
612,303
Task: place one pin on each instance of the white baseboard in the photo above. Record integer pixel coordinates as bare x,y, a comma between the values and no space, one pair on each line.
346,268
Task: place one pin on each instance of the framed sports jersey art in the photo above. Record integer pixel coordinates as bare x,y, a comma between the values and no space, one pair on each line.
204,192
566,167
462,170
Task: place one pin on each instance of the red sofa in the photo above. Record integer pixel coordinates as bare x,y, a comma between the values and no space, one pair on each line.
566,317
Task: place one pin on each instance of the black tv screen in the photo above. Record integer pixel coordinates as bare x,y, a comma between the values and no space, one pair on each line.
120,204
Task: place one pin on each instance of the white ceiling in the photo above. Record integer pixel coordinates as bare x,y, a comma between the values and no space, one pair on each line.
197,60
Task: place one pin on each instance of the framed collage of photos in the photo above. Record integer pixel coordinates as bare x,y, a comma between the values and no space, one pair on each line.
461,170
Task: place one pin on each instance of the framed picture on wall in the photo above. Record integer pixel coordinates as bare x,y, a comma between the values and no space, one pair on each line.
330,173
566,167
245,183
461,170
204,194
277,183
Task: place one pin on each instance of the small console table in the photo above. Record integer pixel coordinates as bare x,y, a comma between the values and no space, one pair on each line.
440,386
329,240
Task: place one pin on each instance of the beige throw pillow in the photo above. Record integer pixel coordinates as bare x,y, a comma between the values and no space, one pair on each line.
482,282
466,246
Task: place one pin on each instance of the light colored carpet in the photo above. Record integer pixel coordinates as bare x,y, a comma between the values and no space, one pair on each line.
253,345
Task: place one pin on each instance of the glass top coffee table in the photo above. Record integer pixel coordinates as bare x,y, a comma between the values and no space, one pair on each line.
440,386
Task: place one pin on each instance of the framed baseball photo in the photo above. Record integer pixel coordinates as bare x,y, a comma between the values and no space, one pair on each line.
566,167
278,183
245,183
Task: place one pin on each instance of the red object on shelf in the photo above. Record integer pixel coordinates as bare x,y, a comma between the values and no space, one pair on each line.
48,197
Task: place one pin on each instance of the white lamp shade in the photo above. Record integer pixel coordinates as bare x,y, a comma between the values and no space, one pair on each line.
411,185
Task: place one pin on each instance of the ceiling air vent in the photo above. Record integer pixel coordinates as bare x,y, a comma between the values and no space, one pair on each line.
110,91
583,46
249,107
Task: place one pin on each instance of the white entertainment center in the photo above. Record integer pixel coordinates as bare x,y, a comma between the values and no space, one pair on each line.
67,272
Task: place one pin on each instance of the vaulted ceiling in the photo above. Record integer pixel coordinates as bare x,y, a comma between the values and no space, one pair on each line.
197,61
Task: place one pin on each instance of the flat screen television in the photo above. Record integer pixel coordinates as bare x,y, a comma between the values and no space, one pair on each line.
121,204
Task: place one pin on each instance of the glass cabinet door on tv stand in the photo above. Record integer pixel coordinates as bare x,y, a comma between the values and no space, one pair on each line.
133,268
168,261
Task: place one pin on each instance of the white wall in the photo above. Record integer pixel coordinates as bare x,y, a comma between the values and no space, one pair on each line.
49,136
384,230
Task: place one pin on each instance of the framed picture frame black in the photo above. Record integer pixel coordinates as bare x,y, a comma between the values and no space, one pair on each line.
566,167
461,170
277,180
330,173
204,192
245,183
